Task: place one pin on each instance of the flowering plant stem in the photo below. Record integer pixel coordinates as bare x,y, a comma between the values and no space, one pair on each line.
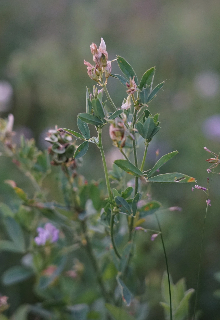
167,266
136,178
109,192
109,97
144,157
200,261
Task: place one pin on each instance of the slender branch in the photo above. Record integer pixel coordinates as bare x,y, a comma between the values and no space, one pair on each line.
108,96
167,266
109,193
94,263
136,178
144,157
200,261
124,154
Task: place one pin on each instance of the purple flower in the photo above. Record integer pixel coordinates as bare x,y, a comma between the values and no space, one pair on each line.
199,187
175,209
208,202
153,237
48,233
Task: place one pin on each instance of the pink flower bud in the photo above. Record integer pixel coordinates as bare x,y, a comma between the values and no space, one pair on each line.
93,48
132,87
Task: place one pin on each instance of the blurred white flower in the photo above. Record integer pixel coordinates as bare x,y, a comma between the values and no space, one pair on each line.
5,95
211,127
207,84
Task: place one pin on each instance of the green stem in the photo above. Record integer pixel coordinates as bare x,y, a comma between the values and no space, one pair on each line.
200,261
144,157
109,193
109,97
136,178
124,154
94,263
167,267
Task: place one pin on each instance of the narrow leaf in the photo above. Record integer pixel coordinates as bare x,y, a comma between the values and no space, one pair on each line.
155,91
120,78
115,114
144,94
149,127
161,162
128,167
140,129
127,69
15,233
123,205
125,194
149,208
147,78
81,150
16,274
89,118
6,245
181,313
172,177
125,292
72,133
21,313
118,313
98,109
83,127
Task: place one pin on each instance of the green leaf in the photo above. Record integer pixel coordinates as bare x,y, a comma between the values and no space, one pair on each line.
21,313
16,274
149,127
127,69
81,150
6,245
6,211
120,78
45,281
98,109
140,129
144,94
79,311
95,195
15,233
118,313
72,133
149,208
172,177
83,127
125,292
128,167
147,78
115,114
181,313
89,118
161,162
125,257
115,192
155,91
125,194
123,205
88,102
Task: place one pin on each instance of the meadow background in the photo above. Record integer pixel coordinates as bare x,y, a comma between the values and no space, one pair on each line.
43,80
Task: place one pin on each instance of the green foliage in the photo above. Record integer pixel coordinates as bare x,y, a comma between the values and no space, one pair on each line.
118,313
180,299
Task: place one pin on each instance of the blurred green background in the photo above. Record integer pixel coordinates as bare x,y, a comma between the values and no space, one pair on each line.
43,80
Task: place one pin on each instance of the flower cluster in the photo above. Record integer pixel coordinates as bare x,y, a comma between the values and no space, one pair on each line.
62,147
199,188
102,65
48,233
118,132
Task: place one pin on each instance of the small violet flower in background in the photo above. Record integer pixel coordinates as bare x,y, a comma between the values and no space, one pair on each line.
208,202
199,187
48,233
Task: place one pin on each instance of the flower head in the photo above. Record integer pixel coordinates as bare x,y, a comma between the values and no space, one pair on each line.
48,233
208,202
126,103
132,87
199,188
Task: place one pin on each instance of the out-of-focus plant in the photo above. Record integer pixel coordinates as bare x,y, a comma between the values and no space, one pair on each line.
89,237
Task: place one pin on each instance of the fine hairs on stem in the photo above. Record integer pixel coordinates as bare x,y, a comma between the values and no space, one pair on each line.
167,266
